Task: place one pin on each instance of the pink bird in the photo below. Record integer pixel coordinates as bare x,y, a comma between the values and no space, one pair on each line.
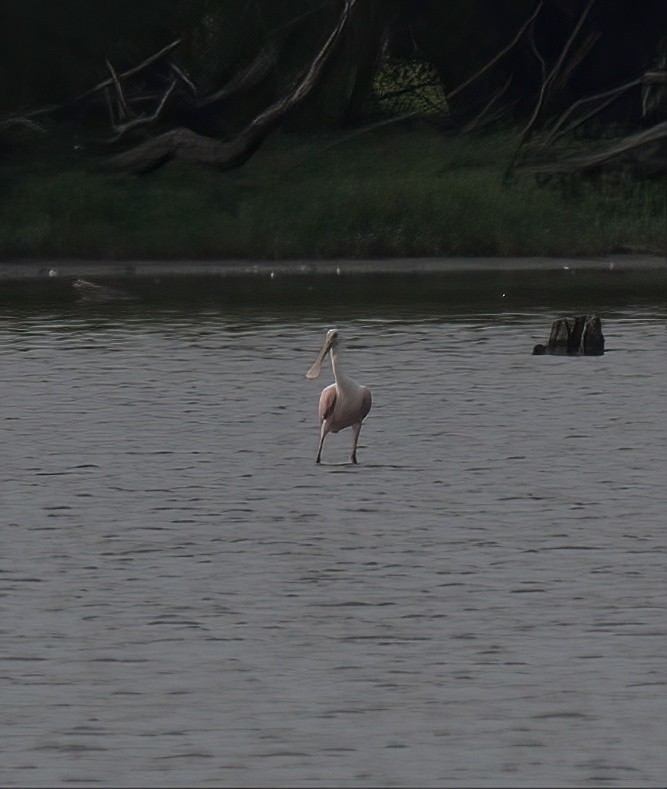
344,403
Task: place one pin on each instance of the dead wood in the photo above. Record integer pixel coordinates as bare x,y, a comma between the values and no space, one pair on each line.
606,97
183,143
486,115
578,336
113,81
121,102
546,87
496,58
143,120
260,67
592,160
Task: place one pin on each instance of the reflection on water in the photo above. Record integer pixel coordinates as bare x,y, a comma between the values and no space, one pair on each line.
346,295
188,600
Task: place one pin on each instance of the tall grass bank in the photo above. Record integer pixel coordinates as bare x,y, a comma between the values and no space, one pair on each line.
414,193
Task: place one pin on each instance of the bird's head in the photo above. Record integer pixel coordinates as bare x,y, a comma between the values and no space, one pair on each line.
331,339
330,342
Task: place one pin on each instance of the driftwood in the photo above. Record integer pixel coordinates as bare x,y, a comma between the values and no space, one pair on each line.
580,336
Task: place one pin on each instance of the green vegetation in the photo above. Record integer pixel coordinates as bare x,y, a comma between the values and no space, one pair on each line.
388,193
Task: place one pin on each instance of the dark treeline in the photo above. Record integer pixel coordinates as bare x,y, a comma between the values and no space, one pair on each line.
89,67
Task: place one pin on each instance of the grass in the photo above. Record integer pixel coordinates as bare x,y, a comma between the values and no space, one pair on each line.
384,194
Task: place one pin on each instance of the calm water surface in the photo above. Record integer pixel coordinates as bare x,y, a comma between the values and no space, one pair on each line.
187,600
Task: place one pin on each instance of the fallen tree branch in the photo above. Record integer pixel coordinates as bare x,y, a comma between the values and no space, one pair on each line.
581,119
131,71
184,78
109,82
546,86
258,69
144,119
123,109
589,161
612,94
185,144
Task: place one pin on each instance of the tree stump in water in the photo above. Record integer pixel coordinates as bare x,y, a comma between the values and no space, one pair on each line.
580,336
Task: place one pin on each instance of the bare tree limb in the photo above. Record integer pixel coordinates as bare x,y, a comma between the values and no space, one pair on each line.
258,69
190,146
144,119
651,78
134,70
107,83
553,136
546,85
184,78
109,105
573,62
537,53
474,123
588,161
568,45
613,93
486,68
123,109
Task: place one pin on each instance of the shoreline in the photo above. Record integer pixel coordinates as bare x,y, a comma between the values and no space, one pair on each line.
17,271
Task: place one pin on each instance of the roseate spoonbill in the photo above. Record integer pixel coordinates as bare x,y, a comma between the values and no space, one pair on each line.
344,403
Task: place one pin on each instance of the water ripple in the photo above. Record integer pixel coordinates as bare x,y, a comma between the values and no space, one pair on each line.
187,599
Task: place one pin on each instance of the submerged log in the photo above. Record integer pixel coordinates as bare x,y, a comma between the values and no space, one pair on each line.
579,336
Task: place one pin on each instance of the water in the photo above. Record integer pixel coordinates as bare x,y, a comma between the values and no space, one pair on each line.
187,600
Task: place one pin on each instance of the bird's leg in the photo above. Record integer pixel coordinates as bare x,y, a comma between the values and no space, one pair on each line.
356,430
319,449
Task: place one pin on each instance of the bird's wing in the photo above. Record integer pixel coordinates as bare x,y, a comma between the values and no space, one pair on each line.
366,403
327,402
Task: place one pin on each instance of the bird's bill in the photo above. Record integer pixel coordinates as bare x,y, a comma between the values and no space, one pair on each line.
316,369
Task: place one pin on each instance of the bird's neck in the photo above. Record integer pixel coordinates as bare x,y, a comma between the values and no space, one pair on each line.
334,356
339,376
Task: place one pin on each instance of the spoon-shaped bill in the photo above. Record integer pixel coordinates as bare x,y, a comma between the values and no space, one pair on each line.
316,369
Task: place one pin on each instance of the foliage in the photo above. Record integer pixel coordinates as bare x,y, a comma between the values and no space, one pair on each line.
474,63
409,86
419,193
